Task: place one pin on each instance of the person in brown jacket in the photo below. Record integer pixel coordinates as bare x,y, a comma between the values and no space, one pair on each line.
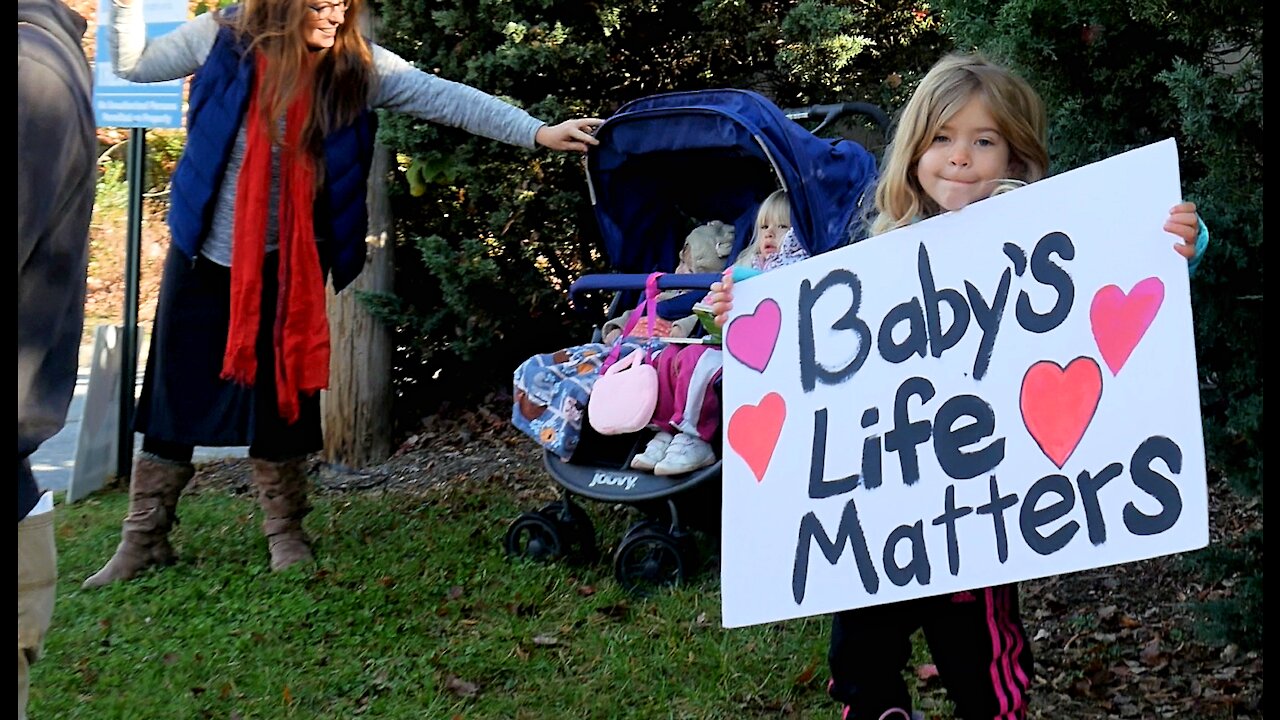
57,159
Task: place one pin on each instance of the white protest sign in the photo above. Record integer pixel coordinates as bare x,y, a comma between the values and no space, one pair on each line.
1001,393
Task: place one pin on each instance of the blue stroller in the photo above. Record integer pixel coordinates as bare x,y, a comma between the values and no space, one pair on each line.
663,163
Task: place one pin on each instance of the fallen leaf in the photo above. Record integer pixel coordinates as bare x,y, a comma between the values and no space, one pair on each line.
1082,688
617,611
461,687
807,674
1151,654
520,609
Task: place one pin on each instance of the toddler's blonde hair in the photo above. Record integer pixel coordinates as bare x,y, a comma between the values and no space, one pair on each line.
775,210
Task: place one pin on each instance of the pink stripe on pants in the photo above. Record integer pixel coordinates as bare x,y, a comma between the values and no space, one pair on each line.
686,401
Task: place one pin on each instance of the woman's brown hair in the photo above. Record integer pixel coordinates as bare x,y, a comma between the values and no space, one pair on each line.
341,77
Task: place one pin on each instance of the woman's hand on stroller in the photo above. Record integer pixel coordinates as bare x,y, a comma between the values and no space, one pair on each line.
721,298
571,135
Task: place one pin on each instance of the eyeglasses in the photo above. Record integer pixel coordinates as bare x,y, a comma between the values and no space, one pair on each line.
326,10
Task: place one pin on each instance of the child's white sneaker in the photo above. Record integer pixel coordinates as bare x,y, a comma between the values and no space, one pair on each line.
653,452
685,454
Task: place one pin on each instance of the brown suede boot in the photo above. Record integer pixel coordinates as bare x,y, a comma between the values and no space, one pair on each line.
282,493
154,489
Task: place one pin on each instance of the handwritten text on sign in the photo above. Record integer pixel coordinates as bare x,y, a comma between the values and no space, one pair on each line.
998,394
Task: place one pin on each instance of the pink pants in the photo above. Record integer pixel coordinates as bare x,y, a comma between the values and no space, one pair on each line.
686,401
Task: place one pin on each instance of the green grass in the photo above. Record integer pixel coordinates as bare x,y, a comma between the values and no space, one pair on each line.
412,611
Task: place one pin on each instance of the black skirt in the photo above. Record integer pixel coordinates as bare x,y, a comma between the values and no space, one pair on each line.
184,400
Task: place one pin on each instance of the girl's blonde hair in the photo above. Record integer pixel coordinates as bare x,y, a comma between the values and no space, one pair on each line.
341,77
947,87
775,210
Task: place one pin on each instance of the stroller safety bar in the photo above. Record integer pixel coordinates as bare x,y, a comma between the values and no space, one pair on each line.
636,281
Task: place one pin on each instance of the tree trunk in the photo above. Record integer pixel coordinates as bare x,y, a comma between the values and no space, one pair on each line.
356,409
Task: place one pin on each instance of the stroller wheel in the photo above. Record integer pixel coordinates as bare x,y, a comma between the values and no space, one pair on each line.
577,533
649,558
534,536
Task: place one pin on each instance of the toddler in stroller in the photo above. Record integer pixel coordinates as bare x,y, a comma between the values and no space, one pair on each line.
660,162
687,418
550,390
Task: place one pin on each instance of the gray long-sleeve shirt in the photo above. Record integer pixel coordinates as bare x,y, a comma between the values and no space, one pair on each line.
401,87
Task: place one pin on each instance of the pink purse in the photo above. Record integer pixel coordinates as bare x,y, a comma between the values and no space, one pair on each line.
624,396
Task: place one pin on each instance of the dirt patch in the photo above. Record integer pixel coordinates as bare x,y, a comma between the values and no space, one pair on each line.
105,289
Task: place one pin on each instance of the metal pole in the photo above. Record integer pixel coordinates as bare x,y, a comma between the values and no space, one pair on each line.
135,175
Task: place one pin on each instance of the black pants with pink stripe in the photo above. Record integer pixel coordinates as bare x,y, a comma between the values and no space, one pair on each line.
976,639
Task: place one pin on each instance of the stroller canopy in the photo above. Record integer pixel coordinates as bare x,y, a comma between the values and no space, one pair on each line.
668,162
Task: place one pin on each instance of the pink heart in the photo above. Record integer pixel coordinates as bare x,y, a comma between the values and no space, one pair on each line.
754,431
1119,321
1058,404
751,338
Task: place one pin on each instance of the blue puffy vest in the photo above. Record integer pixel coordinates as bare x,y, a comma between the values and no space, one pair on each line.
218,102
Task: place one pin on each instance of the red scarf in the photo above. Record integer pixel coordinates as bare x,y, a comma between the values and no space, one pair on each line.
301,332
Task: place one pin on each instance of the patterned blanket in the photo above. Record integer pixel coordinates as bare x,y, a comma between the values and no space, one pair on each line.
551,390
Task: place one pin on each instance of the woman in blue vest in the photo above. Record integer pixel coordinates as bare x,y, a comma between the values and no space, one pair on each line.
268,196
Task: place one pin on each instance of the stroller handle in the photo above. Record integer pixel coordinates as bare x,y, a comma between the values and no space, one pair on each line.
636,281
827,114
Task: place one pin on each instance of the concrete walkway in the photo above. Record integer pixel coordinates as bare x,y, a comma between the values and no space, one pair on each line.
54,463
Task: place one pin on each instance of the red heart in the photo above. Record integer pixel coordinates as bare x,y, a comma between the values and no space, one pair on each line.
1058,405
1119,321
754,431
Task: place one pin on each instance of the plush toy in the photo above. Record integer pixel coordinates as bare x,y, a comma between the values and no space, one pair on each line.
706,250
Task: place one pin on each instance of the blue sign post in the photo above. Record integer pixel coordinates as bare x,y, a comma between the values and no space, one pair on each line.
121,103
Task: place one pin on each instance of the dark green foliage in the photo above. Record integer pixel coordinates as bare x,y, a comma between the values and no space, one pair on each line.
1236,618
1120,75
489,249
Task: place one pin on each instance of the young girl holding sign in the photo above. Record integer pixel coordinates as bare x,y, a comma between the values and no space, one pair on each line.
971,128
